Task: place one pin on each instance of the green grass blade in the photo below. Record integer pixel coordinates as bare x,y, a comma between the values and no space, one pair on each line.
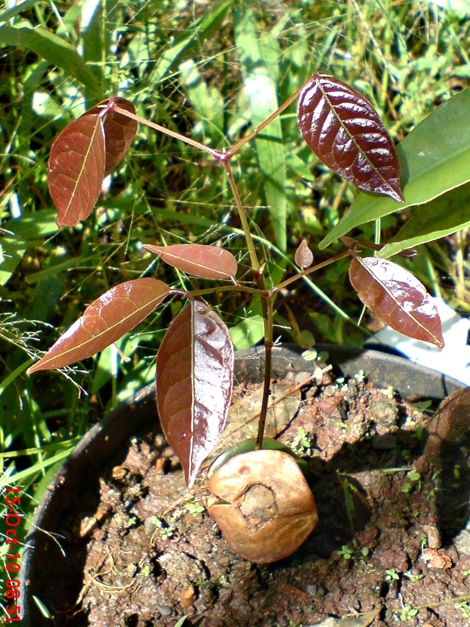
200,29
461,7
67,445
248,332
33,225
259,64
13,375
12,250
434,158
14,245
440,217
95,39
23,475
42,608
55,50
207,101
14,11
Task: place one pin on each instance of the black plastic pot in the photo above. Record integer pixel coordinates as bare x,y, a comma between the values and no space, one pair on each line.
49,563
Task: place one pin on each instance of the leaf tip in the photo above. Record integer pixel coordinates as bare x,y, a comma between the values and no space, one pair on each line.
152,249
35,367
396,193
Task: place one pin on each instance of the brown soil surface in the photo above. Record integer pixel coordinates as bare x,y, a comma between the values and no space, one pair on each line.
390,539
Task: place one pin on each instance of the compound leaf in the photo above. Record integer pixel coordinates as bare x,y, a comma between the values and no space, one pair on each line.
76,169
396,297
208,262
194,384
114,313
346,133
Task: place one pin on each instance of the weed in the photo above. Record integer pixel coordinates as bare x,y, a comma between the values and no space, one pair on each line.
457,475
195,509
408,612
349,553
391,575
465,610
346,552
302,443
412,577
166,530
415,482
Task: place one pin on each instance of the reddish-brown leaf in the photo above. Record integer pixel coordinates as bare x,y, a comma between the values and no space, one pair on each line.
346,133
119,131
194,384
114,313
208,262
76,169
303,255
397,298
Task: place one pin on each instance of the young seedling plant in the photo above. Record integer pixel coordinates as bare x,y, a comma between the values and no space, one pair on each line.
195,362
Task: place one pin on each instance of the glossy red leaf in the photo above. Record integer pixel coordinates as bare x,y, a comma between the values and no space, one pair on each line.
119,130
303,255
397,298
208,262
194,384
76,169
346,133
114,313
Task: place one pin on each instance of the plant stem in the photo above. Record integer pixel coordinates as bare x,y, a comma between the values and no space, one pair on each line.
268,345
217,154
266,303
266,296
254,291
319,266
255,264
241,142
